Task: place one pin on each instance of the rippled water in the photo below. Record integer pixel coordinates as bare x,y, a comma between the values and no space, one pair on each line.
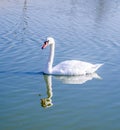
83,30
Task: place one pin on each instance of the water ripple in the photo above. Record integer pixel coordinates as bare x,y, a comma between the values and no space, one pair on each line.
83,30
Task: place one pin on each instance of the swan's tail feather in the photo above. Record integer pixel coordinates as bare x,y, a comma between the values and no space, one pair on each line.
93,68
95,75
97,66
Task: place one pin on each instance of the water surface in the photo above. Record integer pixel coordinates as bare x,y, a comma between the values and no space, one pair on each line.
83,30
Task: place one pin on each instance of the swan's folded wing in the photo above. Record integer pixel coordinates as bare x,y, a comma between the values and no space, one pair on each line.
72,67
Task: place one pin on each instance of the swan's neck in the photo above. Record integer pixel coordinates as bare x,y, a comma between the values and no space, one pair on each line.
51,58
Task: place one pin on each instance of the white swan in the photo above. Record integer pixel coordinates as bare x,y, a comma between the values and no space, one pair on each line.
69,67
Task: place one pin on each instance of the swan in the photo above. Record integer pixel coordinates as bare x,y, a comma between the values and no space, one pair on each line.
68,67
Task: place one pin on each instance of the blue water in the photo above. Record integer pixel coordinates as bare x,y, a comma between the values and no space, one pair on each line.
85,30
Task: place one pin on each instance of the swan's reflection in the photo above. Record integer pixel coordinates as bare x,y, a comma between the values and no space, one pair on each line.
47,102
78,79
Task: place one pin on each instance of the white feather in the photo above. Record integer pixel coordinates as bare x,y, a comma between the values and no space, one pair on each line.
69,67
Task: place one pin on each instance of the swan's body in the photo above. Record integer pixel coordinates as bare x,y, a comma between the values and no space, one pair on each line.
69,67
75,67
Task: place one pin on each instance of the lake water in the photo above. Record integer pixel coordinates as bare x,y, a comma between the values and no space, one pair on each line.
87,30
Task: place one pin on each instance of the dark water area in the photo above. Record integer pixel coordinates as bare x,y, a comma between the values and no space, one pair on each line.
86,30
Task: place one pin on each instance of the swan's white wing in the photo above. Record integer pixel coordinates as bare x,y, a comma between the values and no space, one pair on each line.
74,67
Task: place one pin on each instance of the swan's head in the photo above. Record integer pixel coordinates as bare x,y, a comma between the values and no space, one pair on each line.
49,41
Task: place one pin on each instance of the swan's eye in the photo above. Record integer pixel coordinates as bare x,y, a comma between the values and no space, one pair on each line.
46,42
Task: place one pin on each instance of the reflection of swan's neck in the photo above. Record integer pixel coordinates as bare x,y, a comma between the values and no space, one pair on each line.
49,86
47,102
51,58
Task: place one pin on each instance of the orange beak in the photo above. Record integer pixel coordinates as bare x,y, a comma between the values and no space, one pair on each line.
45,45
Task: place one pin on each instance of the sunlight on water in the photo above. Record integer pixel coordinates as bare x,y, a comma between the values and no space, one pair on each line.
83,30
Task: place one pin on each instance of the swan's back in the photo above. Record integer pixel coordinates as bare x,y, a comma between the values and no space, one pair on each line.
74,67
